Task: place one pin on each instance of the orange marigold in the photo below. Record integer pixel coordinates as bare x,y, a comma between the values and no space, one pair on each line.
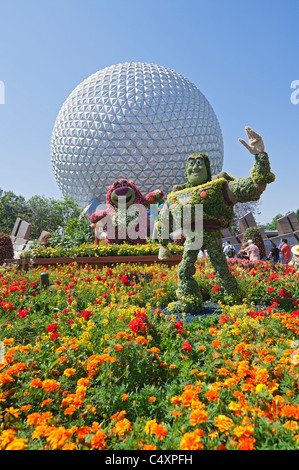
198,416
98,440
50,385
191,440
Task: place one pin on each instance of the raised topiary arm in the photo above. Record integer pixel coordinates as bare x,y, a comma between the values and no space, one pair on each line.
250,188
154,197
96,217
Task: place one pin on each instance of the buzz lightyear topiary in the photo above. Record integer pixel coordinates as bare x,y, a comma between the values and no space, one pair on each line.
217,195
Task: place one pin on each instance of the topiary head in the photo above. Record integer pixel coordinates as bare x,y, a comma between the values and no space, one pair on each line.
125,192
198,169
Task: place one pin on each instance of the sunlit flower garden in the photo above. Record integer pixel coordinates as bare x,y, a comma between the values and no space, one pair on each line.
95,362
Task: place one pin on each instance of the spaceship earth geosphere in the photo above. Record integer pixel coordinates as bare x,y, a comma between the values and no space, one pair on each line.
134,120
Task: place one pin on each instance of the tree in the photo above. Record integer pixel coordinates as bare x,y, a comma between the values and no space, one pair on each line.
50,214
242,208
42,213
11,207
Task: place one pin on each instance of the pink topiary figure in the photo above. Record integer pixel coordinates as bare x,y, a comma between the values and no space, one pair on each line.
123,199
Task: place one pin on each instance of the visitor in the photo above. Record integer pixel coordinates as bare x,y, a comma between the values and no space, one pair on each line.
229,250
252,251
295,261
279,247
286,252
5,263
274,253
242,253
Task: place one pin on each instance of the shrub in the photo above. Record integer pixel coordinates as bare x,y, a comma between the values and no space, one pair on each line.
6,248
253,233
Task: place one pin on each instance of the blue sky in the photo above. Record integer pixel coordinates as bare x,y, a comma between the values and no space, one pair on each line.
242,55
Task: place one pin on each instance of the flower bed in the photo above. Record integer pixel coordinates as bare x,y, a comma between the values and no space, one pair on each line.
101,250
92,362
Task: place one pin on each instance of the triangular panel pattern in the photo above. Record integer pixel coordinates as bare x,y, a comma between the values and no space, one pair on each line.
134,120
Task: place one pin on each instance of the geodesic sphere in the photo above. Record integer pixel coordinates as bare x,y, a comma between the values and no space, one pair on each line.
136,121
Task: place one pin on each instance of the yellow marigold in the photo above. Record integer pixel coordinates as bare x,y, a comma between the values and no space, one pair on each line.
69,372
191,440
243,369
124,397
17,444
122,426
12,412
223,423
83,382
291,425
223,371
243,431
6,437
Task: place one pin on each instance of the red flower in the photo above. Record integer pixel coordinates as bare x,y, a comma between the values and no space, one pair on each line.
54,336
216,288
52,327
179,327
186,346
137,324
22,313
270,289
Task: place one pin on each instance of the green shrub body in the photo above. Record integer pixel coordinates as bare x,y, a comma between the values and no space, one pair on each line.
6,248
253,233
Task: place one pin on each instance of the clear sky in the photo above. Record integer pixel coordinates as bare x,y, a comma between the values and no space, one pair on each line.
242,55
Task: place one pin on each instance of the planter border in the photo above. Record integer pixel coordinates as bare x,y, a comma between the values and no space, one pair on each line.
94,261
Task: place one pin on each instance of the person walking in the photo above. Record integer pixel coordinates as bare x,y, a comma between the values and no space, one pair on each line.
286,252
229,250
253,251
279,247
274,253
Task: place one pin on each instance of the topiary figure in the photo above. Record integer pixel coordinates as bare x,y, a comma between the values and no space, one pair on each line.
45,240
217,196
6,247
253,233
127,192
